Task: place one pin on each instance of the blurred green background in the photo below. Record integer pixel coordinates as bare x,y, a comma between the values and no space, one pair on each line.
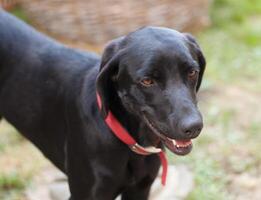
226,160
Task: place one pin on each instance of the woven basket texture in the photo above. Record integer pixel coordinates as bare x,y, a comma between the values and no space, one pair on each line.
97,21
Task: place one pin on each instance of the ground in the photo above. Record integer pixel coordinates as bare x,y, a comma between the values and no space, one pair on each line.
226,159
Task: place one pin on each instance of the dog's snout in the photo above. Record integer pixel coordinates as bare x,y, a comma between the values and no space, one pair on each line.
192,126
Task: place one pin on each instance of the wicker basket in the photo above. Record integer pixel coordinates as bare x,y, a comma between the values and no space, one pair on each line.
97,21
8,4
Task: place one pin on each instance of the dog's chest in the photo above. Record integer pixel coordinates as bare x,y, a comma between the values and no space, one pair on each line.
140,167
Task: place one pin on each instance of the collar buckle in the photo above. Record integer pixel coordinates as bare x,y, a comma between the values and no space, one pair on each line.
144,150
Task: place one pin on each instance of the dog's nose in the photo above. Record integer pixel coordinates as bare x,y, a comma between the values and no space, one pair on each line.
192,126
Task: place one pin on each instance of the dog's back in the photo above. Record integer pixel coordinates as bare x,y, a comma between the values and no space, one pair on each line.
36,73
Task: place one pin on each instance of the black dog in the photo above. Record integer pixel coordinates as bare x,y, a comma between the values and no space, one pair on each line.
147,80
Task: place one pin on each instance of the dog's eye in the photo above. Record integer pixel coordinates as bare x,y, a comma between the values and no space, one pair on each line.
192,74
147,82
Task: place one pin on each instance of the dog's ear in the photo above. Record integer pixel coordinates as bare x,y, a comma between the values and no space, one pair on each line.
108,69
200,57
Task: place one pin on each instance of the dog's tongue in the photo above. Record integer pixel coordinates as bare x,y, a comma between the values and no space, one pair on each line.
180,147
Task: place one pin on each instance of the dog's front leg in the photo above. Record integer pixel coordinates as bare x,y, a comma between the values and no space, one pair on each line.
89,183
95,176
79,172
139,191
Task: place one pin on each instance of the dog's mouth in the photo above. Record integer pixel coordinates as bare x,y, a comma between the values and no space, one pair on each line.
179,147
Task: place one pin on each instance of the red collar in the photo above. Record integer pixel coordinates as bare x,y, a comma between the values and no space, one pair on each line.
121,133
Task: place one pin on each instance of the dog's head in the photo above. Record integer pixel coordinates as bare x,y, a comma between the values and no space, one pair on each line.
156,73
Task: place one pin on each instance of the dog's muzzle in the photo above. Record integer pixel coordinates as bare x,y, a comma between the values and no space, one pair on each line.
179,147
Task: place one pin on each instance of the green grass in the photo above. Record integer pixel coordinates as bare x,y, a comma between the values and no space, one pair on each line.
233,44
231,59
226,12
19,162
18,12
12,180
208,175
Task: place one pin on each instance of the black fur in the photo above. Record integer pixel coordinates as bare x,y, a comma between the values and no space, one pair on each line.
48,92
